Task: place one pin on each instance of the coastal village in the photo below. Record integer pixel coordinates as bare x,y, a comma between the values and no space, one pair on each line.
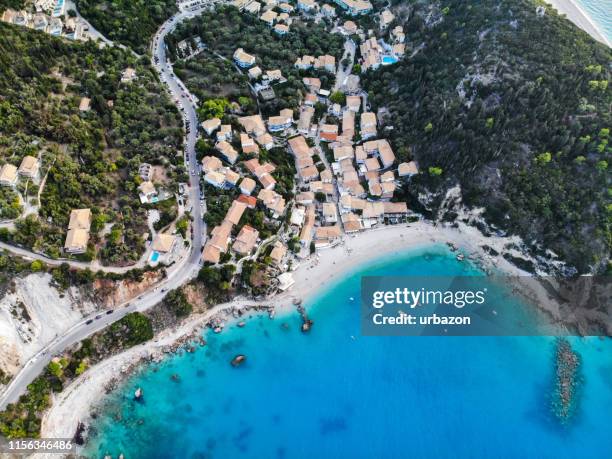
347,175
308,184
347,172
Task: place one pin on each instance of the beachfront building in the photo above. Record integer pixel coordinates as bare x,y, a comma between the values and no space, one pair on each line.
330,215
277,255
78,231
327,235
243,59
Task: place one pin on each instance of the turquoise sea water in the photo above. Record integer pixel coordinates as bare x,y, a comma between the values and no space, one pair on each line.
600,12
335,394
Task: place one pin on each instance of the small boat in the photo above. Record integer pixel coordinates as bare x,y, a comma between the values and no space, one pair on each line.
352,299
460,257
138,394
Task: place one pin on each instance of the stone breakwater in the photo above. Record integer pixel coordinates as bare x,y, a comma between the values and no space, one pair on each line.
567,381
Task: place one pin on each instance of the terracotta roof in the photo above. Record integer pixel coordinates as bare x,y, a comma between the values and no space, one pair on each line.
278,252
211,254
407,169
29,165
245,241
8,173
163,242
235,212
247,185
211,163
299,147
250,201
76,239
80,219
395,207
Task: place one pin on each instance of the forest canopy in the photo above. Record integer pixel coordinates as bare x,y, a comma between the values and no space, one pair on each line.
515,107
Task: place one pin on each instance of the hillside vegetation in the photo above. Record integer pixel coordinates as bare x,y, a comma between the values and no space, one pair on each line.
225,29
91,156
516,108
131,22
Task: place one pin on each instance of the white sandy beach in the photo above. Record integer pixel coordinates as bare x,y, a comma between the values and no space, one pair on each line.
578,16
74,403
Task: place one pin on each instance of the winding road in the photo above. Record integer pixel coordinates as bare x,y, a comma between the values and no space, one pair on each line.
182,272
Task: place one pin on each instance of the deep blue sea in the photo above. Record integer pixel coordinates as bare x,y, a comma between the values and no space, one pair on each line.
334,394
600,12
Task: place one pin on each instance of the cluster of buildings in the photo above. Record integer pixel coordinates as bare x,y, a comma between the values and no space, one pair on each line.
255,134
49,18
351,191
220,236
355,191
29,168
308,7
326,63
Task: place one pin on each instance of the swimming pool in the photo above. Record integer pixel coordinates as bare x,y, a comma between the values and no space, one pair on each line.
388,60
154,256
59,9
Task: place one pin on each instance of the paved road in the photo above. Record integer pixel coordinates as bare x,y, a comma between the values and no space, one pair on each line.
185,269
343,72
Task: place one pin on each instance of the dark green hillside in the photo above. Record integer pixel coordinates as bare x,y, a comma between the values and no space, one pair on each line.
131,22
516,108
